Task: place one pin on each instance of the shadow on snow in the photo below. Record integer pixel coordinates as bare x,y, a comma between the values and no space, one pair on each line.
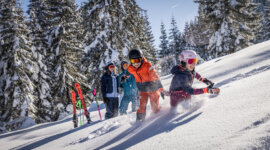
51,138
139,133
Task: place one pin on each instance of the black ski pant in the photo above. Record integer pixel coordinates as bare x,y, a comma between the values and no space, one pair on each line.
112,108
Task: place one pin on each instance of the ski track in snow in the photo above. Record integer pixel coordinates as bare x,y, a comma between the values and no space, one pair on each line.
257,123
242,76
164,121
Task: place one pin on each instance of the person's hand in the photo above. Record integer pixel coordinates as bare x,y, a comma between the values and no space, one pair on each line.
211,90
214,90
124,77
163,92
207,82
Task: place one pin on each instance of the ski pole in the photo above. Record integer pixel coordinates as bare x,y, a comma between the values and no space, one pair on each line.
79,105
95,93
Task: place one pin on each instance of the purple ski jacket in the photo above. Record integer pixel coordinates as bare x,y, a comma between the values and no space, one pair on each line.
182,81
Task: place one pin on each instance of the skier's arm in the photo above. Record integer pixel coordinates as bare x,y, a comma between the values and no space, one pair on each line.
198,76
191,91
204,80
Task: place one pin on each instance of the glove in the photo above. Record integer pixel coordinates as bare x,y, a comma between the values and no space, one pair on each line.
207,82
162,95
124,77
211,90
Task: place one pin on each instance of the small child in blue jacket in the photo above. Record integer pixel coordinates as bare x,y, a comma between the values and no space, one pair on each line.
128,83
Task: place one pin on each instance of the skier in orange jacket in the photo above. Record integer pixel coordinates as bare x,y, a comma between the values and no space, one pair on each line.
148,83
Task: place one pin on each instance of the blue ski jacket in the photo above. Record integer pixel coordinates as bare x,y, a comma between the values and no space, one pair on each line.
129,85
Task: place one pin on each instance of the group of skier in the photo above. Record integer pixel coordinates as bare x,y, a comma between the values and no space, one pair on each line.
139,81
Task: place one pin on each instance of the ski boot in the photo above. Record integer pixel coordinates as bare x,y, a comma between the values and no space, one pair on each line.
140,117
75,121
88,119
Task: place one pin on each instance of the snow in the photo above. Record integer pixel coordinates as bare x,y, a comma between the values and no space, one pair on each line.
238,118
125,51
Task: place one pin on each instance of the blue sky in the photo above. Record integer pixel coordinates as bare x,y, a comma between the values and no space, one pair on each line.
160,10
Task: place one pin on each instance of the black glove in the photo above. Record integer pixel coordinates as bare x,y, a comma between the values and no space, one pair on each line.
213,90
124,77
106,100
162,95
208,82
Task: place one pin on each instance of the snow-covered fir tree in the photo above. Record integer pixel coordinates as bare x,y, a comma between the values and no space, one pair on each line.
138,26
235,22
164,43
163,52
174,38
103,26
266,25
198,31
259,32
64,54
16,67
42,106
148,41
112,28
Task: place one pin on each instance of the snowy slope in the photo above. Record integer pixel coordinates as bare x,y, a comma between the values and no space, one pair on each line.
238,118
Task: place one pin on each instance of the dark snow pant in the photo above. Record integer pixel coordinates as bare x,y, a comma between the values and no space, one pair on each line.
112,108
178,96
125,101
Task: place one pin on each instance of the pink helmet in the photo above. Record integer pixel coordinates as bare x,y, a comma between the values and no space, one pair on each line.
187,55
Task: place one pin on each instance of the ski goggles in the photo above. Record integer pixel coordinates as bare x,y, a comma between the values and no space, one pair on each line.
191,61
111,67
125,65
136,60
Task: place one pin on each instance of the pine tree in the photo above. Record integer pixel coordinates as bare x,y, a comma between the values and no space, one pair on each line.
266,25
41,106
112,28
234,24
174,39
148,40
259,32
64,55
164,43
16,67
104,28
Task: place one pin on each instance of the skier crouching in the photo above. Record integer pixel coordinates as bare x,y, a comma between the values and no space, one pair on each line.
182,80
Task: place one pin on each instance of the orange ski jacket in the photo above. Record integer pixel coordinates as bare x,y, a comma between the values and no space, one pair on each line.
147,79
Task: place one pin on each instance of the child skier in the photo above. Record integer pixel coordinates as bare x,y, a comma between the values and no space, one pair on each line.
148,83
182,80
128,83
109,91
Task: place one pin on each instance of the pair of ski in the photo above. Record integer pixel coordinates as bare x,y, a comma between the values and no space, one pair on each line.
81,104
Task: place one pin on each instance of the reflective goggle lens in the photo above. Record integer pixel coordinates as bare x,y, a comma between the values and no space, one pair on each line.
137,60
125,65
111,66
191,61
